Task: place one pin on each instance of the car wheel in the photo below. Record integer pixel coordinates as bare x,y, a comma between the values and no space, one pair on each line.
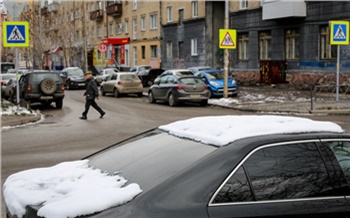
171,100
103,92
204,103
48,86
151,98
116,93
59,103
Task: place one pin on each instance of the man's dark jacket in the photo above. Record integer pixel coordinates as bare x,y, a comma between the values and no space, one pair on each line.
91,89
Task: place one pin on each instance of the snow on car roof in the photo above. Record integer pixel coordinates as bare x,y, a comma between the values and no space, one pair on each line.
221,130
69,189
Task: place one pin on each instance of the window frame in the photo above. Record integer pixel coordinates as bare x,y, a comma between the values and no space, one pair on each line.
153,21
126,26
194,7
169,49
292,44
242,164
265,39
243,46
134,28
194,47
169,14
326,49
243,4
143,23
153,50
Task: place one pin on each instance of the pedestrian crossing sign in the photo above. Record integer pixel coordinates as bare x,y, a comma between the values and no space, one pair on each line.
15,34
227,38
339,32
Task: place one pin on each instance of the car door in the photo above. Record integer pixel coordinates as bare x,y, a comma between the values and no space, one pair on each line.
294,179
159,89
108,86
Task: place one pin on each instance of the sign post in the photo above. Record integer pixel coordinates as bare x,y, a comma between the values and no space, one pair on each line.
339,35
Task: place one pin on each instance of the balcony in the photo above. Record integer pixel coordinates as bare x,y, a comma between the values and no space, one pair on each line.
53,7
96,15
114,10
283,9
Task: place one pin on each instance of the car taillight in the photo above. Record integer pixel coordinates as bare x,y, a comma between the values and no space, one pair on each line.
120,83
62,88
206,87
29,89
180,87
2,83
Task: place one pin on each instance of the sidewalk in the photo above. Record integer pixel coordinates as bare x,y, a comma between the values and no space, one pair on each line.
264,99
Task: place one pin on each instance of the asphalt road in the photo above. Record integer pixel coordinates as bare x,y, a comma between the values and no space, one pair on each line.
62,136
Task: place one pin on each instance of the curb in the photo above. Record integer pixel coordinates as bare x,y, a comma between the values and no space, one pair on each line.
17,120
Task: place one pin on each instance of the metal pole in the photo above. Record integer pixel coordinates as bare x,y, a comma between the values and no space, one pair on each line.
338,61
84,37
16,64
226,52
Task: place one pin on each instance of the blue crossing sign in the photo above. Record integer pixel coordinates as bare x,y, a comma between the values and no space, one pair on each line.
339,32
15,34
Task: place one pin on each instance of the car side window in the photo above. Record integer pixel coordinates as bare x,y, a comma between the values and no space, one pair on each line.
290,171
114,77
341,150
170,80
163,80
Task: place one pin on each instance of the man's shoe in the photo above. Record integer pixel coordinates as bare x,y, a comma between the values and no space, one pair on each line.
83,118
102,115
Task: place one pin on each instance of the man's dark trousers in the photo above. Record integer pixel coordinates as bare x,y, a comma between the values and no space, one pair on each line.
91,102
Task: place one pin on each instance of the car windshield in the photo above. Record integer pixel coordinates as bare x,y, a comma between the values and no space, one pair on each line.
150,158
76,72
144,68
216,75
7,76
38,77
109,71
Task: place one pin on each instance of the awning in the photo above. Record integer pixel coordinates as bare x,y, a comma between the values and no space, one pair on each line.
55,49
115,41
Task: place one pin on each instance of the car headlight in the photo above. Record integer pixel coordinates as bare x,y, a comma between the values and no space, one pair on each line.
233,82
214,83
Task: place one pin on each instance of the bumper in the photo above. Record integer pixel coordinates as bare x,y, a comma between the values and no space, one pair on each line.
129,90
75,84
38,97
220,92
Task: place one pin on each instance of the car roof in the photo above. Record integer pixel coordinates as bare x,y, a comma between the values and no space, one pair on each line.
211,71
232,128
200,67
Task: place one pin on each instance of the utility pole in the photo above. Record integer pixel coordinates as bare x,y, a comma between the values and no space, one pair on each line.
226,51
84,37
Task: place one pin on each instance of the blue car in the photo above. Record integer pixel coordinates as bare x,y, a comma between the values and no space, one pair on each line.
214,79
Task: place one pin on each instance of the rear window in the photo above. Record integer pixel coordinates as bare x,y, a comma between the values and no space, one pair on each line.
191,81
6,66
150,158
38,77
128,77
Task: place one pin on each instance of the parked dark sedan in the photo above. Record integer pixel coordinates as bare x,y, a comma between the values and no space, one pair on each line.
176,89
148,76
73,78
216,166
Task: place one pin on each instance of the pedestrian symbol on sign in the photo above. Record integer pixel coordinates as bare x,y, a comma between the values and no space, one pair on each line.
339,34
15,35
227,40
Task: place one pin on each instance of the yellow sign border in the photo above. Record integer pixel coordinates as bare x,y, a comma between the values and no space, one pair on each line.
15,23
339,22
232,33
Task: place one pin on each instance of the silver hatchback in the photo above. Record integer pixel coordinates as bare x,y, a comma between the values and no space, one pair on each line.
122,83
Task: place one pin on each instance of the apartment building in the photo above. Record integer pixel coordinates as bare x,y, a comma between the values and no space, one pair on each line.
290,36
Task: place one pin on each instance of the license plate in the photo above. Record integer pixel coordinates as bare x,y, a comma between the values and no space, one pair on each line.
195,96
81,84
46,97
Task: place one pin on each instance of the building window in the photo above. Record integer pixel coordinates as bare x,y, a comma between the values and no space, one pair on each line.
243,4
292,44
134,4
153,20
265,45
111,31
153,51
328,51
127,62
135,55
143,23
119,28
169,49
181,17
126,26
194,8
243,42
169,14
143,52
134,21
99,32
106,30
194,51
71,15
92,32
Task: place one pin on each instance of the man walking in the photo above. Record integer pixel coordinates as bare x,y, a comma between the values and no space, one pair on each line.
91,93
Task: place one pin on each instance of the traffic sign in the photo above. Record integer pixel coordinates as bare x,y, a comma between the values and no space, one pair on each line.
15,34
227,38
14,7
102,48
339,34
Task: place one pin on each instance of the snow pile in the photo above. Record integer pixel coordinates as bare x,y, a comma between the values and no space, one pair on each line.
12,110
68,189
221,130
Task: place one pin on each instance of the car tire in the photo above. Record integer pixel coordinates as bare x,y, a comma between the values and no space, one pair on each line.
48,86
116,93
151,98
204,103
172,100
59,103
103,92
